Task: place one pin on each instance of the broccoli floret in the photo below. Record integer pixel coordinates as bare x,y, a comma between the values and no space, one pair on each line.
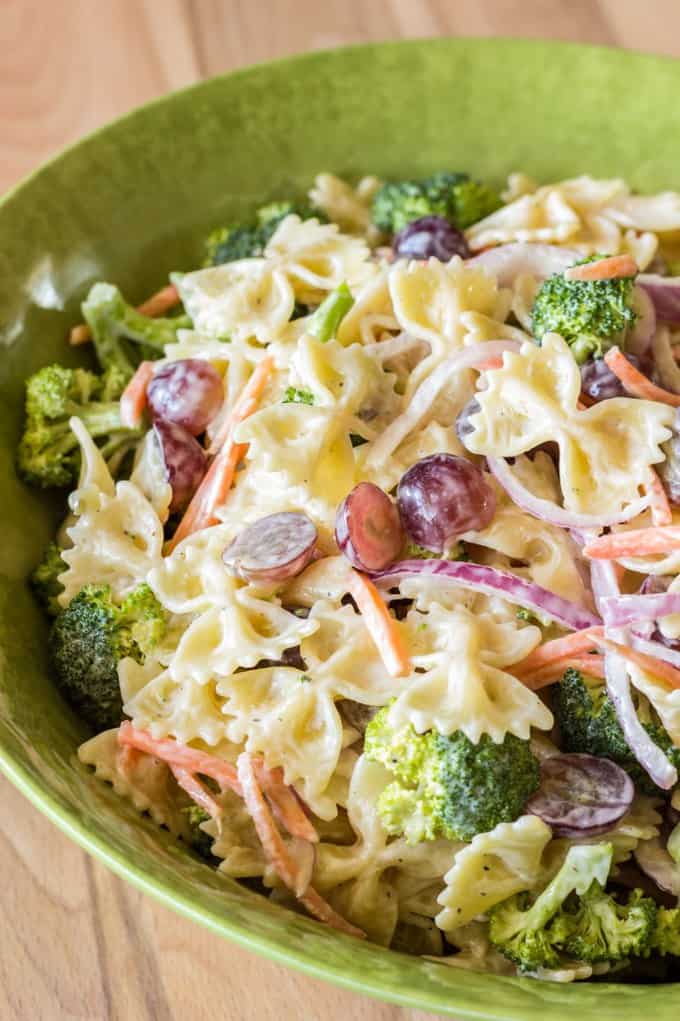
451,195
91,636
323,324
591,315
44,579
295,396
448,786
588,723
48,453
602,929
122,336
666,937
200,841
248,241
530,934
413,551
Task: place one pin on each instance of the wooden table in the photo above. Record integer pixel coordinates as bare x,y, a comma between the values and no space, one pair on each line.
77,943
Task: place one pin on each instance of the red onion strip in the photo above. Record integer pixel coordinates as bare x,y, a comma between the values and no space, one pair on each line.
619,611
428,391
665,295
546,510
642,643
492,581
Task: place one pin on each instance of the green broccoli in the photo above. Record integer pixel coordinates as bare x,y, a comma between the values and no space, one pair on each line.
591,315
295,396
451,195
248,241
44,579
588,723
123,337
530,934
48,453
324,322
604,930
413,551
666,937
199,840
448,786
91,636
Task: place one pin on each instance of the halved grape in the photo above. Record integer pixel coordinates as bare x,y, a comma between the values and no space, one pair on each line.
441,497
430,236
189,393
275,548
184,459
367,528
599,382
581,795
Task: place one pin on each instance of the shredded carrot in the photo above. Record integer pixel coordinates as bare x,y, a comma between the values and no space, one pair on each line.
277,852
659,505
196,791
159,303
133,398
659,667
180,755
218,479
284,803
638,542
635,382
573,645
614,267
381,626
592,665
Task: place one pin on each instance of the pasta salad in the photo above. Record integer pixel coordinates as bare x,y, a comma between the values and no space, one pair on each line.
369,584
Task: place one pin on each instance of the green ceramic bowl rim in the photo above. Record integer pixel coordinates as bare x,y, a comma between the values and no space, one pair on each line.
64,818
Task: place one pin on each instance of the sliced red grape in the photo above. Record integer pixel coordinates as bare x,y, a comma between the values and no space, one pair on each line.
441,497
189,393
367,528
275,548
430,236
581,795
185,462
599,382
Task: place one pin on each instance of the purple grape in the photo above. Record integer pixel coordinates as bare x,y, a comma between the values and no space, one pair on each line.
430,236
441,497
463,426
189,393
275,548
185,461
599,382
581,795
367,528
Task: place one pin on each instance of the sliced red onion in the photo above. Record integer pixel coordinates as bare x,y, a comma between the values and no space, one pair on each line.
581,795
655,861
492,581
665,295
506,262
619,611
428,391
368,529
548,511
640,337
666,368
642,643
275,548
646,751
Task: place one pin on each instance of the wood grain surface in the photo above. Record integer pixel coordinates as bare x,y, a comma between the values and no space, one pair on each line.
77,943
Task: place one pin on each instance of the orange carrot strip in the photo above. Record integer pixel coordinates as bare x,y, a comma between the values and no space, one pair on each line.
575,644
659,505
218,479
381,626
180,755
592,665
637,542
277,852
664,671
160,302
612,268
284,803
133,398
196,791
635,382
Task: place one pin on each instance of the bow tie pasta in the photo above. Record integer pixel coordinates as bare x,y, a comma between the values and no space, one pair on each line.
605,451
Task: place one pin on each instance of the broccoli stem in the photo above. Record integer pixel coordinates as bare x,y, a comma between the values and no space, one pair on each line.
323,324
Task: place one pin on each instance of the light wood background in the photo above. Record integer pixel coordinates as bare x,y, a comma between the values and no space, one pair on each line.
76,942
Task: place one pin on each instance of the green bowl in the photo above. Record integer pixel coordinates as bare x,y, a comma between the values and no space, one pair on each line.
132,202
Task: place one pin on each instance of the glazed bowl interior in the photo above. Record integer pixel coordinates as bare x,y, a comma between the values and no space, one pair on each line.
131,203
